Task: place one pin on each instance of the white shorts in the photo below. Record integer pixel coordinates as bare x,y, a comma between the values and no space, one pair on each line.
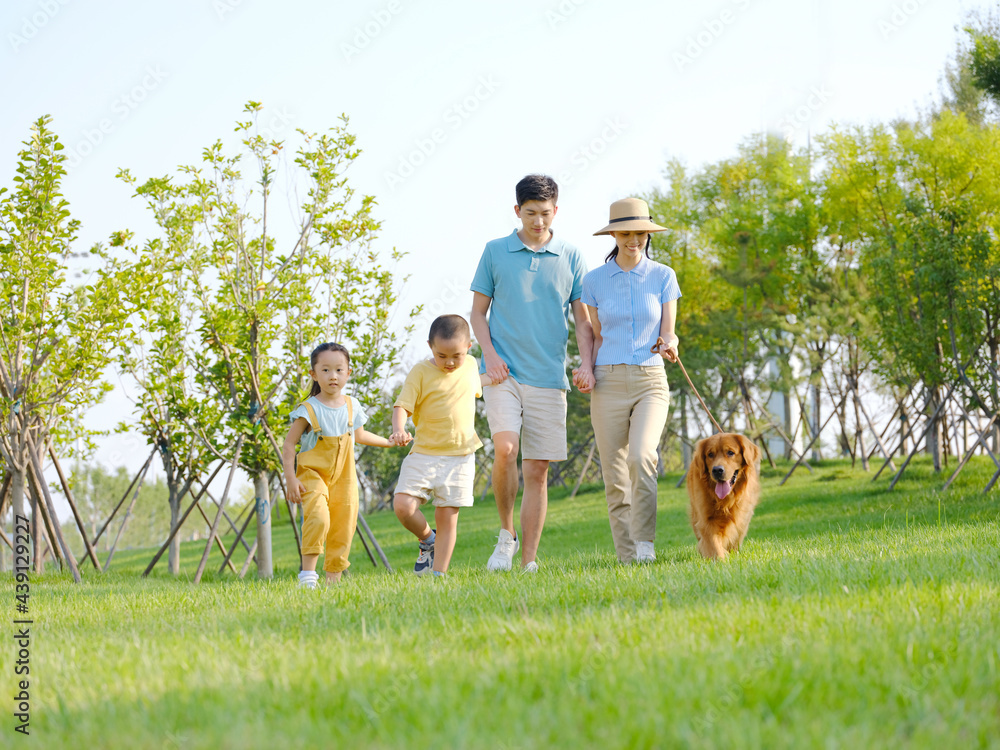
448,479
537,415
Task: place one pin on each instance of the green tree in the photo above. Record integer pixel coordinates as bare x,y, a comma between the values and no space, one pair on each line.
158,360
742,236
262,305
923,197
983,55
50,367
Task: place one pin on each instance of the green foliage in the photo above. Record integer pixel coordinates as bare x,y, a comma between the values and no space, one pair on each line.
762,279
922,200
257,303
983,59
57,338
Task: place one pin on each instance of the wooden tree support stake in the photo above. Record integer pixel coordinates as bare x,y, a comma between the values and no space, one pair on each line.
364,524
142,472
36,467
239,537
814,438
91,553
903,436
128,514
927,428
180,521
222,502
8,480
357,531
586,466
218,540
980,440
45,525
251,556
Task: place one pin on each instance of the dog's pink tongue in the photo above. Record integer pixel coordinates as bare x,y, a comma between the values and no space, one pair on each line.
722,489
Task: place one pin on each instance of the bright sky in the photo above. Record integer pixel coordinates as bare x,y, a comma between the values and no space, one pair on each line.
452,102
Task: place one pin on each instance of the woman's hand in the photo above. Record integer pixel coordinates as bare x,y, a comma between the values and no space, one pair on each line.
666,348
583,379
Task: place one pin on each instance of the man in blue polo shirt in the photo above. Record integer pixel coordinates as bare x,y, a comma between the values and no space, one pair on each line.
528,282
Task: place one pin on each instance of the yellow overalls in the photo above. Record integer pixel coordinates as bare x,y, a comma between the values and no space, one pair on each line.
330,500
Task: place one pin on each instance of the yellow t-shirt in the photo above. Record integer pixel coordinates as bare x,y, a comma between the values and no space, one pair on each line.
443,405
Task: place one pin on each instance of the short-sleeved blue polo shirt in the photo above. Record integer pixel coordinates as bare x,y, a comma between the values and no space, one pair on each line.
529,315
629,307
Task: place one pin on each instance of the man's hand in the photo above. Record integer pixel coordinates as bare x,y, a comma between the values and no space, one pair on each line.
496,368
583,379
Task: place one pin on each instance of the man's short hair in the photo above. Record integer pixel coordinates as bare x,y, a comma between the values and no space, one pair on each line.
448,327
537,187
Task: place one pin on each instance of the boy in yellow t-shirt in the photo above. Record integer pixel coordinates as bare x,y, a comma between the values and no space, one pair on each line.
440,394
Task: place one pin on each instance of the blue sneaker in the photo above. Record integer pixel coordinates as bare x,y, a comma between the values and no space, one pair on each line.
425,560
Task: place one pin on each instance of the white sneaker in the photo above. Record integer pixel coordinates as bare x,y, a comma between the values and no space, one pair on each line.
644,552
503,554
308,579
531,567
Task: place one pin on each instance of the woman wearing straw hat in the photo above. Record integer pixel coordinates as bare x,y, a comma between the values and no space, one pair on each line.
632,301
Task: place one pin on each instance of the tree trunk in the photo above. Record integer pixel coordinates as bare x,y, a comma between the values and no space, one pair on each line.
17,492
36,536
265,567
685,445
174,550
933,442
817,452
859,434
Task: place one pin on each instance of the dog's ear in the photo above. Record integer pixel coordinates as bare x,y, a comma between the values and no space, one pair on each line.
751,453
699,457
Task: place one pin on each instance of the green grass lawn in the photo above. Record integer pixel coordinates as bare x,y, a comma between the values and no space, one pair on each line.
854,617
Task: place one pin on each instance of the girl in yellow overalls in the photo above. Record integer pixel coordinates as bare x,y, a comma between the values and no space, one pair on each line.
328,424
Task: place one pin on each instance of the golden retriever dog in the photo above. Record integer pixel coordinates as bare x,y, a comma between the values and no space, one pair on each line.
724,488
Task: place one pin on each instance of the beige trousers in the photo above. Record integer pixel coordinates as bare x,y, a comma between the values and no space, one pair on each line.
629,410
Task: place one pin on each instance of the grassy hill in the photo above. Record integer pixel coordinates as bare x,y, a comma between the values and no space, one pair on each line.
854,617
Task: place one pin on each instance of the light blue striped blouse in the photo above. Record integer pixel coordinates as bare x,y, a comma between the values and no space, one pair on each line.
629,307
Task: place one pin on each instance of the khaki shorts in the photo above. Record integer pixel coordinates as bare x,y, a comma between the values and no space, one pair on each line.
538,415
448,479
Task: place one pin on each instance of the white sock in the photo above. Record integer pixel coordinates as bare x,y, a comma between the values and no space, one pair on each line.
308,575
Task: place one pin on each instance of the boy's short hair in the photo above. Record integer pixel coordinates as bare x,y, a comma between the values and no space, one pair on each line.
537,187
447,327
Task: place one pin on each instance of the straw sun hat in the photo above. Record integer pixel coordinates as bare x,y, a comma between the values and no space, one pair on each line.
630,215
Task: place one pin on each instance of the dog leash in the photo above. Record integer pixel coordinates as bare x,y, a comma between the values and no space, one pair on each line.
656,349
